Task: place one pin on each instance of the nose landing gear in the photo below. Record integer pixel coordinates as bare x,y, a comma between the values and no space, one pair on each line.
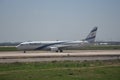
24,51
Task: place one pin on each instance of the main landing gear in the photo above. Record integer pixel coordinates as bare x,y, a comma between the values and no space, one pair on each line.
60,50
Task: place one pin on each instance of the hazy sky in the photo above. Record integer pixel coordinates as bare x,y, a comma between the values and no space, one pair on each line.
34,20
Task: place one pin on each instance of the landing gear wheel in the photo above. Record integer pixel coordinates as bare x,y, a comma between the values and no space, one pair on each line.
57,51
61,50
24,51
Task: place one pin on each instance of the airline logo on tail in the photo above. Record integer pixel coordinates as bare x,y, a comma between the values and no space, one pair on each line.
92,35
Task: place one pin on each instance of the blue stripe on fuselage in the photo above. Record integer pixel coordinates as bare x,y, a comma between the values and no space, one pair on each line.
46,45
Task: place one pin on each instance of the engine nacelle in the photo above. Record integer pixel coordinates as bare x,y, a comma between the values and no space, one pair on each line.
54,49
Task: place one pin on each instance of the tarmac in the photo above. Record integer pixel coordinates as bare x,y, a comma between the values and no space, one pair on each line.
71,55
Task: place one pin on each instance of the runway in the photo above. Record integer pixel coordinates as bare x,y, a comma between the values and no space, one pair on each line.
75,55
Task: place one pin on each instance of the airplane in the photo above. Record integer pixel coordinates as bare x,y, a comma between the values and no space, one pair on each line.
58,46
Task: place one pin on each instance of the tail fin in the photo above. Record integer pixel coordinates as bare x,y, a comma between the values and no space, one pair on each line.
92,35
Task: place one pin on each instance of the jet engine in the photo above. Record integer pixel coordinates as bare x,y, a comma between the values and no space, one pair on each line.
54,49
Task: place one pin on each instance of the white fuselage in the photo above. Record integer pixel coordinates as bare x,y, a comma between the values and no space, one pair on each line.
48,45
